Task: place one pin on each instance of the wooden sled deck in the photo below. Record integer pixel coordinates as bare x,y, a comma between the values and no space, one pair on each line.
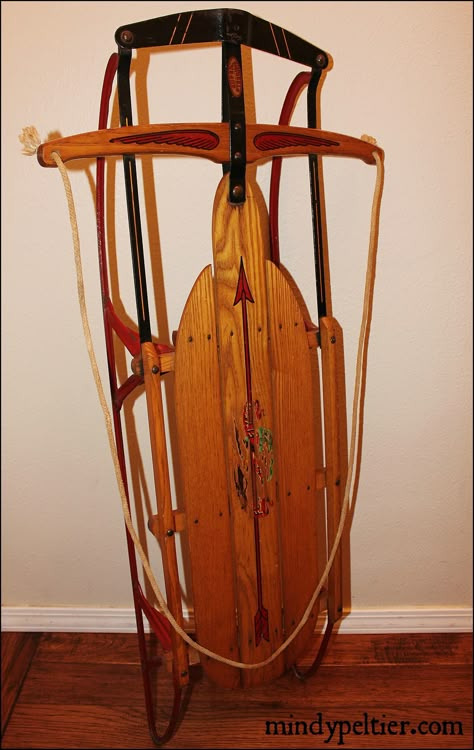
250,447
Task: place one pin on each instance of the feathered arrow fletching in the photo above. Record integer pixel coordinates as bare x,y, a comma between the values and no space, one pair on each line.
203,139
270,141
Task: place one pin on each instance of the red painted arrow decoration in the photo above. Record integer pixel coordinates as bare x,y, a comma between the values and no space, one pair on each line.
244,295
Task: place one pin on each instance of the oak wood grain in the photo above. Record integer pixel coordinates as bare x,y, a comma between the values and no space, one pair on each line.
206,140
164,517
241,245
203,475
297,439
335,430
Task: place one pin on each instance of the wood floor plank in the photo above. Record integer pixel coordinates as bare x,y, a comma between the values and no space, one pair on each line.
18,650
396,648
110,685
96,648
74,683
81,726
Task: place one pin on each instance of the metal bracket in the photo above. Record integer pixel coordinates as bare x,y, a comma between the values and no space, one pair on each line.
233,112
220,25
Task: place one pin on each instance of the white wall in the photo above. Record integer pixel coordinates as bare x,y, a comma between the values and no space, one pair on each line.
402,72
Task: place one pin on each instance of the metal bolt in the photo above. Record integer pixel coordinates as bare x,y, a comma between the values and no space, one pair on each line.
333,339
237,192
170,532
126,37
155,369
321,61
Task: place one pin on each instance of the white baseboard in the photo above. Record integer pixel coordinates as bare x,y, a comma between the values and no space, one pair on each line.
98,620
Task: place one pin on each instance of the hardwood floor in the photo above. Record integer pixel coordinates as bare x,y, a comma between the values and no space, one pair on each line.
77,690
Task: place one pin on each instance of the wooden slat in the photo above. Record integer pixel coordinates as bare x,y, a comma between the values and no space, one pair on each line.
296,447
241,246
203,475
335,431
164,517
313,347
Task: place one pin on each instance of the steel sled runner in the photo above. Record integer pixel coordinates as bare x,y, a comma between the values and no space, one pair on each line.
259,389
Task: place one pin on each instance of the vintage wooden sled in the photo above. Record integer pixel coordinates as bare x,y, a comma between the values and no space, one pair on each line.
259,388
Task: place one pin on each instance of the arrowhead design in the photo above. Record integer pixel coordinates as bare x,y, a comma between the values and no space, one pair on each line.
243,290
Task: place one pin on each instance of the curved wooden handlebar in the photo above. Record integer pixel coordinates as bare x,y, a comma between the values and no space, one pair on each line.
207,140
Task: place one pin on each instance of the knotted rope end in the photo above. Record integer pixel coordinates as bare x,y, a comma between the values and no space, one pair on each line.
30,139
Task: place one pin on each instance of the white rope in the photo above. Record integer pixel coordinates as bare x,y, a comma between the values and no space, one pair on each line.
31,141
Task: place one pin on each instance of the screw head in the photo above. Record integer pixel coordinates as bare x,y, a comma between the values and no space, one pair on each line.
126,37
